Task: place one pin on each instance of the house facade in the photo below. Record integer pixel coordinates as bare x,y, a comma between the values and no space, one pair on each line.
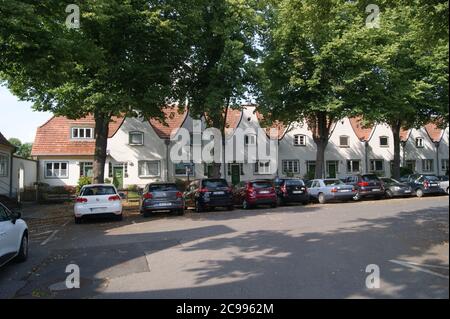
139,149
6,156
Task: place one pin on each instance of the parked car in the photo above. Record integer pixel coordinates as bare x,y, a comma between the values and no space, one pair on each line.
366,185
13,236
256,192
443,183
291,190
98,200
425,184
324,190
161,197
208,193
394,188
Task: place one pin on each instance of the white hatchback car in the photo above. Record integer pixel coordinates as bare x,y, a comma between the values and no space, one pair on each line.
99,199
13,236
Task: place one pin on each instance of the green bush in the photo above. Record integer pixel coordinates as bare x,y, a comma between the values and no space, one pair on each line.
132,188
84,180
309,176
181,184
405,171
108,181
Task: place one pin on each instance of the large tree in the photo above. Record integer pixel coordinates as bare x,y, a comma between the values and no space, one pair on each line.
222,60
22,149
300,77
401,78
124,59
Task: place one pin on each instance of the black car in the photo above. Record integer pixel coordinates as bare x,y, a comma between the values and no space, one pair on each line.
291,190
394,188
161,197
207,193
424,184
366,185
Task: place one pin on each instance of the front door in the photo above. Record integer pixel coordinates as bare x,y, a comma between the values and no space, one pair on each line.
118,177
235,174
332,169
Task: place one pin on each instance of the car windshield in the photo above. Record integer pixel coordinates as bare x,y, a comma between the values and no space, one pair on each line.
369,178
262,184
332,182
162,188
98,191
294,182
389,181
215,183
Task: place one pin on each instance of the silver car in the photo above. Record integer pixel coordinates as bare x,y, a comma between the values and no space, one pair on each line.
324,190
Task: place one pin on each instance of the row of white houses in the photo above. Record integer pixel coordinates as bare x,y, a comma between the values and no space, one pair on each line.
138,150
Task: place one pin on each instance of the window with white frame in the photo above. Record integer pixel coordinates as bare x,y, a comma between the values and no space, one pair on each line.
419,142
377,165
310,167
136,138
86,169
262,167
444,166
427,165
181,169
250,139
241,168
299,140
149,168
4,165
56,170
291,166
411,164
384,141
82,133
353,166
344,141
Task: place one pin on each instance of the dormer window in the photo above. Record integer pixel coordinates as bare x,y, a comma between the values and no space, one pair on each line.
344,141
299,140
136,138
82,133
419,142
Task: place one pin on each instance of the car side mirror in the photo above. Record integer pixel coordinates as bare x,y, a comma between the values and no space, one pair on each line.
15,216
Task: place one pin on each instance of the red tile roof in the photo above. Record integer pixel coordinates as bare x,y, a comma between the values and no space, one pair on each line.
362,132
278,125
434,132
174,120
4,141
53,138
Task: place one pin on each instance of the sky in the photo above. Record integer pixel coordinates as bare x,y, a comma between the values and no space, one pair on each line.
17,119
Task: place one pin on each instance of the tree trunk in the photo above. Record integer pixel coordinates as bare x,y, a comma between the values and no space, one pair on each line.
396,127
101,143
321,132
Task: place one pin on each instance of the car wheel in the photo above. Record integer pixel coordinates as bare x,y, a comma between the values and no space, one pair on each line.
447,191
23,250
245,205
419,193
322,199
78,220
198,207
389,194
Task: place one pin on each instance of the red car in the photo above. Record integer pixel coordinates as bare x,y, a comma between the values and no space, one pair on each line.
253,193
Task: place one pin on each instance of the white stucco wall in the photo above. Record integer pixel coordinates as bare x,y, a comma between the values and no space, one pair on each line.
378,152
418,154
29,169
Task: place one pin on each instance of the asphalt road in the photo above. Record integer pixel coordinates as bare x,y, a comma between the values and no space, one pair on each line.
314,251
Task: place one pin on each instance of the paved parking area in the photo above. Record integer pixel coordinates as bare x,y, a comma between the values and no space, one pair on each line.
314,251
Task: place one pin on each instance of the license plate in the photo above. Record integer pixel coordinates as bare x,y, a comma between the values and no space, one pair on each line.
264,192
433,185
219,193
163,204
407,191
376,190
97,209
345,190
297,192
